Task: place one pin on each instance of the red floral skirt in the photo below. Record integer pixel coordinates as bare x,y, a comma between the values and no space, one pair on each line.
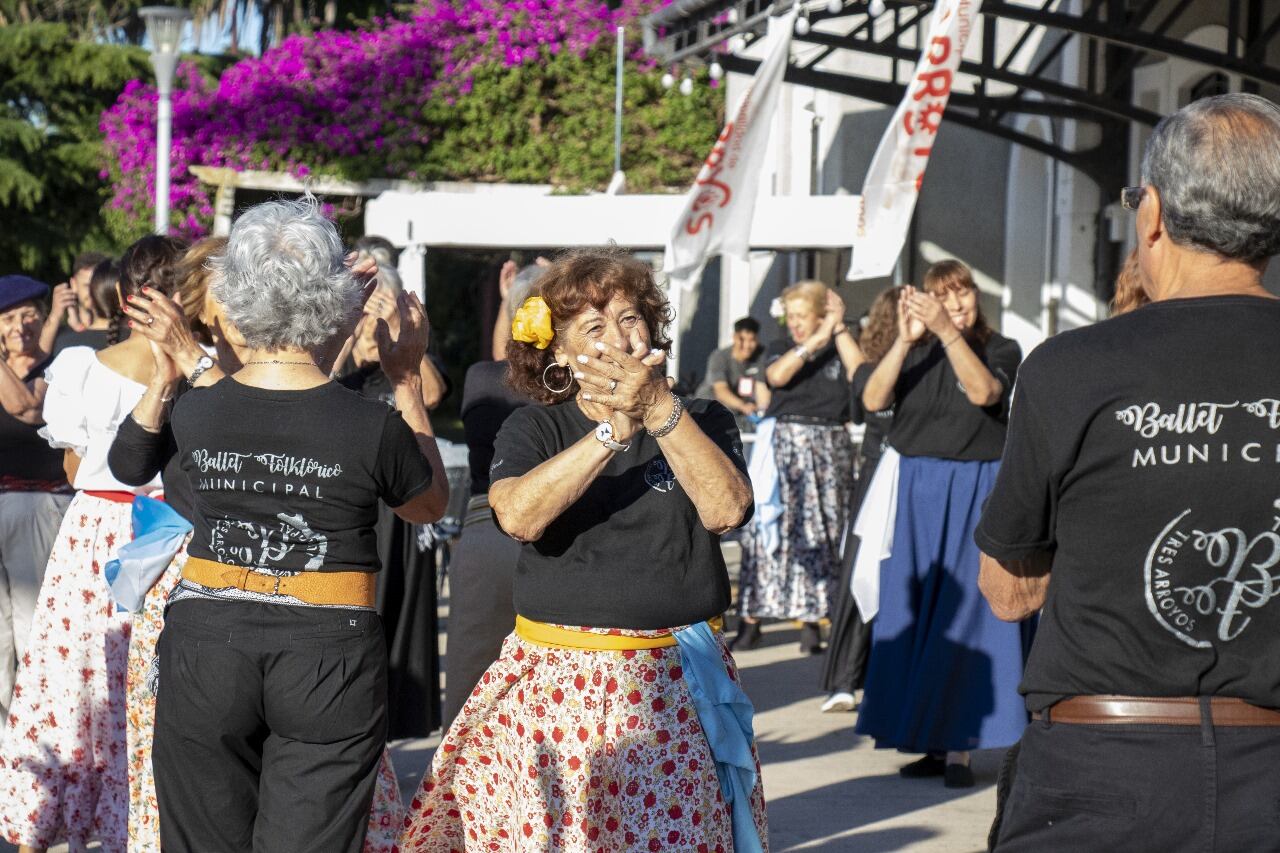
577,750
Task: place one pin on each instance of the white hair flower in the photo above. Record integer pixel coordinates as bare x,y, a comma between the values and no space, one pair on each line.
777,310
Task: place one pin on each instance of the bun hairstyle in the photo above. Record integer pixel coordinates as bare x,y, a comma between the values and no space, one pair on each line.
150,262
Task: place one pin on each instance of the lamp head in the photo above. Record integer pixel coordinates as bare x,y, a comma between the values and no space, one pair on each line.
164,27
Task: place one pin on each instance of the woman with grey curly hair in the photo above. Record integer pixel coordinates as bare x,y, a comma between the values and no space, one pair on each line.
272,659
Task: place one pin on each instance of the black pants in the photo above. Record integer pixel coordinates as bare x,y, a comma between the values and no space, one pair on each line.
481,614
270,726
1144,789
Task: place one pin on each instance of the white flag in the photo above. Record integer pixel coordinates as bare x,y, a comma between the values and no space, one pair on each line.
893,182
716,218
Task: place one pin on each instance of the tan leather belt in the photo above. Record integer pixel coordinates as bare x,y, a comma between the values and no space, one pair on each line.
348,589
1158,711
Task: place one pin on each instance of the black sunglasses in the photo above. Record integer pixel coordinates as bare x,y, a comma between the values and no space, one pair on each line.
1131,197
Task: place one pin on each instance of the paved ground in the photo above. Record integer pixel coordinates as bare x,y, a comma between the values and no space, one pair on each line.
827,789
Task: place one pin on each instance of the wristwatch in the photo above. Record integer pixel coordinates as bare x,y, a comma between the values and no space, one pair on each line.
604,435
202,364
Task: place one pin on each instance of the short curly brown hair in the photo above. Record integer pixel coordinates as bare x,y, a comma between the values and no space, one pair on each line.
577,280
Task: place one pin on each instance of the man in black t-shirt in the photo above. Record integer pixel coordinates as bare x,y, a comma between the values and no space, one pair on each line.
1143,468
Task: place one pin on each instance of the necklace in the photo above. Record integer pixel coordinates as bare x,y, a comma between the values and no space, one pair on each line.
278,361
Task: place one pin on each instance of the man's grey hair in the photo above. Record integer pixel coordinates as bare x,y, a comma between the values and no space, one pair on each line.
281,278
1216,164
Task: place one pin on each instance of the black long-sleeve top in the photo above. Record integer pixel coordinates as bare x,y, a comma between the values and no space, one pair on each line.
136,456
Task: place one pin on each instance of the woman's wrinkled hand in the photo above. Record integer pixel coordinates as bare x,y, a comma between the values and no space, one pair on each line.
630,383
161,320
400,352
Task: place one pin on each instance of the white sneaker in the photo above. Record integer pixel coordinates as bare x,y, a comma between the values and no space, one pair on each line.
838,702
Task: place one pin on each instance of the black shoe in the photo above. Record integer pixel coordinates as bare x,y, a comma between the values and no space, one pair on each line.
925,768
810,639
748,637
958,776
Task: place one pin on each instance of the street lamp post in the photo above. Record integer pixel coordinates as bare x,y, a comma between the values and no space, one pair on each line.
164,28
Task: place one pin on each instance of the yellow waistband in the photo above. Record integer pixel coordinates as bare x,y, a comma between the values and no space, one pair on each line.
555,637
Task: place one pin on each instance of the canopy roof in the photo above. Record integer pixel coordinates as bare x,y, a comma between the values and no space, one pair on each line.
1007,70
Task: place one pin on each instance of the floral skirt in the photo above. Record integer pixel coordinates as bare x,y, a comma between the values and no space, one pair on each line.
815,469
577,750
63,763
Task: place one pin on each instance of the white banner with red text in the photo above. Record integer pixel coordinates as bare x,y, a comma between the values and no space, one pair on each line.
716,217
893,182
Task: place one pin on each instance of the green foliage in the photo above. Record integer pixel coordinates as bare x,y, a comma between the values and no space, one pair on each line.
53,90
553,123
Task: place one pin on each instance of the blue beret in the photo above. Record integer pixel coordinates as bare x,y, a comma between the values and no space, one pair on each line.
20,288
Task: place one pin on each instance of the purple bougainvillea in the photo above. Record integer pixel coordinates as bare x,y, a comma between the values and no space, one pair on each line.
337,102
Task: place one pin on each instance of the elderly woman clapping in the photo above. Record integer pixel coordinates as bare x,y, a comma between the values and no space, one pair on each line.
271,715
586,733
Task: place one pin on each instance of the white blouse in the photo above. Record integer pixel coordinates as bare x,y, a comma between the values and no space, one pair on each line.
83,409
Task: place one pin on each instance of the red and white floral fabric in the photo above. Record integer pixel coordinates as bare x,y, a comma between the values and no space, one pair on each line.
577,750
63,765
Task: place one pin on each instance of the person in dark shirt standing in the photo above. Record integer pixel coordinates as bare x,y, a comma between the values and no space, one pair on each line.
943,672
790,575
481,570
34,492
585,733
1138,506
849,645
271,714
481,613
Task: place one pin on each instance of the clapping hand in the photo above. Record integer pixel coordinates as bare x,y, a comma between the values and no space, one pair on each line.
161,320
929,310
631,384
400,353
910,327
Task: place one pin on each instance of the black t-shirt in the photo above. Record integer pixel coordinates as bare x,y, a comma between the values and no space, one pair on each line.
819,389
27,462
1144,454
486,403
876,435
290,480
631,552
932,415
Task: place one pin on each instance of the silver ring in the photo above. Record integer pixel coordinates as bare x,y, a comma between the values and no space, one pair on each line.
150,320
613,385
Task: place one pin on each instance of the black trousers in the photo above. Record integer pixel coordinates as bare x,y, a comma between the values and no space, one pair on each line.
1143,789
270,726
481,614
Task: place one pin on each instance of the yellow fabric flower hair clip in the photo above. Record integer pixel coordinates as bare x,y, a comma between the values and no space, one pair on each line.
532,323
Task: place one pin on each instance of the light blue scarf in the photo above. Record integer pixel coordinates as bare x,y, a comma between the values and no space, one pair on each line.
158,534
725,713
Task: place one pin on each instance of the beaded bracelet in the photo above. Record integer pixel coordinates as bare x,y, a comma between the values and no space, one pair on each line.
677,409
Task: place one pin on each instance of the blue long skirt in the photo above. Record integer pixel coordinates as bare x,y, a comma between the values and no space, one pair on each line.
944,671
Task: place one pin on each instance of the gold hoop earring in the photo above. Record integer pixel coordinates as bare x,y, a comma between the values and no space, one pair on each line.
548,387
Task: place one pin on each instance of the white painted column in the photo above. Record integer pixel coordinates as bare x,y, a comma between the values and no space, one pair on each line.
413,269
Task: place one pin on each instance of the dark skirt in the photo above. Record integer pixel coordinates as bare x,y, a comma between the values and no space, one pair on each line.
944,672
407,602
845,664
481,614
